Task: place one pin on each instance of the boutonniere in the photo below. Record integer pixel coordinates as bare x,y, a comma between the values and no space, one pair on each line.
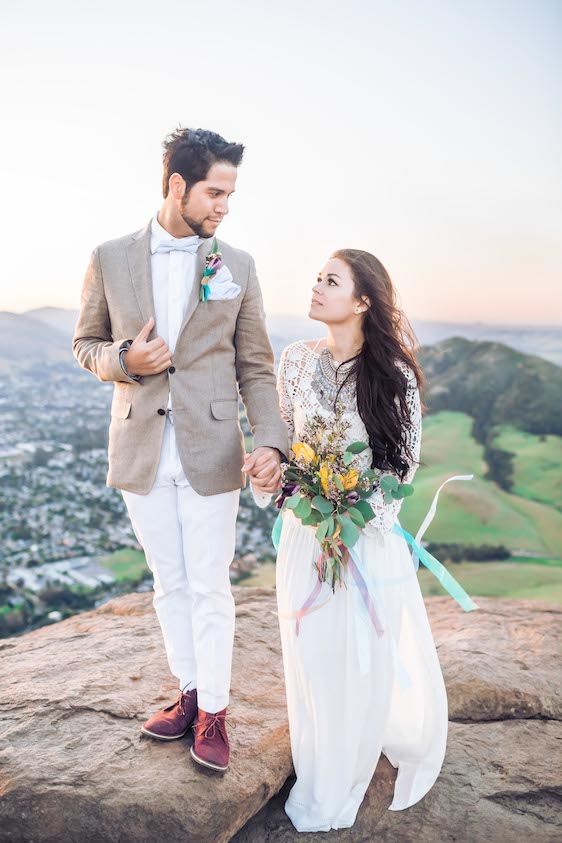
213,263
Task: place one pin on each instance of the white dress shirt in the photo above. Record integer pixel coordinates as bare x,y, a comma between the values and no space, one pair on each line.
173,276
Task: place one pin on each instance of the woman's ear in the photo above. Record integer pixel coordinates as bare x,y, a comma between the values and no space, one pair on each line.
366,305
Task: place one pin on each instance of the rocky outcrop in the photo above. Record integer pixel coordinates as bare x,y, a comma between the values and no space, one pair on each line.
73,765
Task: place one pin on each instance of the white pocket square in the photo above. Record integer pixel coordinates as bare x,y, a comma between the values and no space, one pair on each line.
222,285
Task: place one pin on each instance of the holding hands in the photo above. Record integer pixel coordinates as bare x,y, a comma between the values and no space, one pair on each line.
263,467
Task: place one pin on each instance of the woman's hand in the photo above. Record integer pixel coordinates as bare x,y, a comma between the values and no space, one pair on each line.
263,467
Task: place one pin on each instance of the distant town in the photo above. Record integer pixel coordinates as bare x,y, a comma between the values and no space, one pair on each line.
59,522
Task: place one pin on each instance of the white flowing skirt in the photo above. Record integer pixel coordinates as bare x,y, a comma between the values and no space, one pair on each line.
350,693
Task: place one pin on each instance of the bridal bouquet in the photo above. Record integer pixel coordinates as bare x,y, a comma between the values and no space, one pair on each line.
326,491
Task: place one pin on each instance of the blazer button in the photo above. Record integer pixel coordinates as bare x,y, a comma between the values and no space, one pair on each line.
172,369
161,412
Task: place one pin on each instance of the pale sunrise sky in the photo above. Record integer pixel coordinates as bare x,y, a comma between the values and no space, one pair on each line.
428,133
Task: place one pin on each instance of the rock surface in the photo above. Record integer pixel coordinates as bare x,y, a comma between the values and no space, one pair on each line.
73,765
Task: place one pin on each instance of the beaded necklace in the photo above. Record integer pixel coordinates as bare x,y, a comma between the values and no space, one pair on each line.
327,379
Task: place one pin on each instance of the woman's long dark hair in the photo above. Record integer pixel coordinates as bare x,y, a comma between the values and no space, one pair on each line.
381,385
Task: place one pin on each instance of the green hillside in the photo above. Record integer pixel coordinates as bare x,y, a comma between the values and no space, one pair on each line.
495,385
537,464
477,511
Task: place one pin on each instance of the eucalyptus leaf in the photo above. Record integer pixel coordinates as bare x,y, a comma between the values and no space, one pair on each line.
349,532
356,516
321,531
365,509
356,447
389,482
347,458
293,501
304,508
339,484
322,505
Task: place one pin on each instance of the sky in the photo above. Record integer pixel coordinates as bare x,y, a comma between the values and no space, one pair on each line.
428,133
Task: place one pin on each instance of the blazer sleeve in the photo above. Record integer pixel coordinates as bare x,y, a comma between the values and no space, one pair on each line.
93,345
255,370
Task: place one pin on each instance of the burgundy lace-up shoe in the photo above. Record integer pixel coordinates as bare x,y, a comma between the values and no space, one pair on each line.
173,721
210,747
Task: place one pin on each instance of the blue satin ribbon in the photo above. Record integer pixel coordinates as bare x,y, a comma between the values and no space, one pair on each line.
277,528
438,570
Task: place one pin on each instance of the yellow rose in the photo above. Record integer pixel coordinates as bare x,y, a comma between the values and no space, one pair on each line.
350,480
303,451
325,474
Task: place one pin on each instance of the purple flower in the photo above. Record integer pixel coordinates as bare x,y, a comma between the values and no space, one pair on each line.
290,489
352,497
214,262
286,492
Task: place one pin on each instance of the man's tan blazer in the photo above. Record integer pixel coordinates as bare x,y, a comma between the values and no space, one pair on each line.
222,347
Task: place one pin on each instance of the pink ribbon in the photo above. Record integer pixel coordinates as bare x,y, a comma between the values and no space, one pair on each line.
364,592
306,606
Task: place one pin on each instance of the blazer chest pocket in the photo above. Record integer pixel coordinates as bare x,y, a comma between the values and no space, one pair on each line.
225,408
120,406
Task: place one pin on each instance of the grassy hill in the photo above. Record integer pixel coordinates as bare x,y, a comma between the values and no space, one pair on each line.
478,511
495,385
537,464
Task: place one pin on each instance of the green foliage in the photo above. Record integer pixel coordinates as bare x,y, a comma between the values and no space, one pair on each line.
349,532
356,447
303,508
322,505
495,385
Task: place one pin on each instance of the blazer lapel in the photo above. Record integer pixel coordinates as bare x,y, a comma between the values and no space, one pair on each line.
138,257
193,299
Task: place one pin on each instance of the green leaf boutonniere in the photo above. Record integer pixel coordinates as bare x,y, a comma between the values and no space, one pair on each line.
213,263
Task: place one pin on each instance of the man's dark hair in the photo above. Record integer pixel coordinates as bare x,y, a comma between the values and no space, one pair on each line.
192,152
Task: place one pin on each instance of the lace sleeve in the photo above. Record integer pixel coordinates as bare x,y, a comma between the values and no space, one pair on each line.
387,513
284,389
263,499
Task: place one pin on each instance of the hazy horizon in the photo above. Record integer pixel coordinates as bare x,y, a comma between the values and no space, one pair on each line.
288,315
426,134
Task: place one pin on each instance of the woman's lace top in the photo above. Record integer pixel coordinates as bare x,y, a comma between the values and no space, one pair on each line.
307,382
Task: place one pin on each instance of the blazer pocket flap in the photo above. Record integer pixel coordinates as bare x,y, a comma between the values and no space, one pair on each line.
225,408
120,406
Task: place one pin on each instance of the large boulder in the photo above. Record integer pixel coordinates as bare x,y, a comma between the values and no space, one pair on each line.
502,775
73,765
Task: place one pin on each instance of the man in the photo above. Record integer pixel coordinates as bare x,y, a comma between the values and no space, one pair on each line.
180,329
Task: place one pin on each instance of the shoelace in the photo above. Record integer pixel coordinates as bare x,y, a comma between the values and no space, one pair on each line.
214,722
180,701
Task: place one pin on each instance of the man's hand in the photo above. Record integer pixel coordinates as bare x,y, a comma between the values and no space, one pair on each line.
147,358
263,466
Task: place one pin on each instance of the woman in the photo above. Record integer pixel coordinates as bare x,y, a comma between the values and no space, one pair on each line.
352,693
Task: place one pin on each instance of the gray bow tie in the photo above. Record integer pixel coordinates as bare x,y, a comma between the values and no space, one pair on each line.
187,244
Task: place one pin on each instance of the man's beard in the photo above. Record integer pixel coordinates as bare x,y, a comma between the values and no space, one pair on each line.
197,227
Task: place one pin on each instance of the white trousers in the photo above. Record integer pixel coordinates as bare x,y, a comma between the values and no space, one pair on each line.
189,542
